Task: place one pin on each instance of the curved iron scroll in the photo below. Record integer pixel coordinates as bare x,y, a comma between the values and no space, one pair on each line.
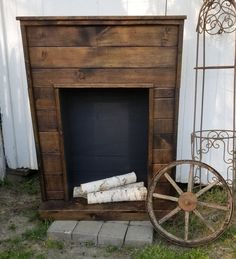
217,17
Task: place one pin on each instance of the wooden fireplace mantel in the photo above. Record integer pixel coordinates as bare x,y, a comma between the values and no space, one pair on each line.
100,52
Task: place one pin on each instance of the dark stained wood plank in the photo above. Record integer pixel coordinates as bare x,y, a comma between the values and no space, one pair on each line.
162,77
47,120
111,211
164,92
163,141
55,195
163,156
102,57
33,108
157,167
54,183
98,36
49,142
44,98
164,108
150,133
52,164
163,126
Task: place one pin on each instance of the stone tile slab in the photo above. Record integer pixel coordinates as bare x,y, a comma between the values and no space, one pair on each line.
140,223
61,230
86,231
139,236
112,233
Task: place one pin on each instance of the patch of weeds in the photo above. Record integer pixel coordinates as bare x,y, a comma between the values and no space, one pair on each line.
41,256
5,183
38,232
229,234
111,249
54,244
164,252
31,186
12,227
16,254
89,243
32,214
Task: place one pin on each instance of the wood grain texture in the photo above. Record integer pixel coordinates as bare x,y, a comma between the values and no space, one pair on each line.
49,142
76,210
164,108
164,93
54,183
162,77
52,164
55,195
163,156
44,98
163,141
102,57
47,120
163,126
100,36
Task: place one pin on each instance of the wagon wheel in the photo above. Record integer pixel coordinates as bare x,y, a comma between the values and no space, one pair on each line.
198,212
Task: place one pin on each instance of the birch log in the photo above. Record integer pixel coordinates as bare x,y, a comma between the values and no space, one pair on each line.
129,194
108,183
77,192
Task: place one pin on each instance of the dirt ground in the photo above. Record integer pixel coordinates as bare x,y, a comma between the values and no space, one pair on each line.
23,234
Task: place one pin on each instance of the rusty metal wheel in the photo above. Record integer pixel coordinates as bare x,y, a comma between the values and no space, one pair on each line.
198,211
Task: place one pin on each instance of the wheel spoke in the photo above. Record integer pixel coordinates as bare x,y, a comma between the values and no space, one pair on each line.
199,215
169,215
173,183
190,178
186,226
164,197
205,189
213,205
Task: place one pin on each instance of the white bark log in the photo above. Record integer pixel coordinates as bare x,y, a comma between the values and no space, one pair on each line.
77,192
127,194
108,183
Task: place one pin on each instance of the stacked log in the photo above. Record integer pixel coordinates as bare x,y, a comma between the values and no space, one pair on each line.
113,189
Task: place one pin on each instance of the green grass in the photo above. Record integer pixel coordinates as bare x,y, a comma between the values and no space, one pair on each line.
31,185
165,252
111,249
38,232
54,244
12,227
5,183
17,254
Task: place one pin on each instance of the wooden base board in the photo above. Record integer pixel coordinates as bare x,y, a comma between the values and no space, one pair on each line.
77,210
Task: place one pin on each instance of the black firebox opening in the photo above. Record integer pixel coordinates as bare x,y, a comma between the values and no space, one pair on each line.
105,133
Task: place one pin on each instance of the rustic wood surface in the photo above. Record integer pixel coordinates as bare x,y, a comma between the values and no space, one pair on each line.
72,51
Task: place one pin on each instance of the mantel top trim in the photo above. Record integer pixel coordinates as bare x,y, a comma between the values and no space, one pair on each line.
99,18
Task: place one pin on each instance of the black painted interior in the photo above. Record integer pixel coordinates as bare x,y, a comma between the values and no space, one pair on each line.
105,133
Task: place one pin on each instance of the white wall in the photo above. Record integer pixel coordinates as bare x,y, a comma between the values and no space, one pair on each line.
17,127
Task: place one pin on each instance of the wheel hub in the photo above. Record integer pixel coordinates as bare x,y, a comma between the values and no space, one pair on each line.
187,201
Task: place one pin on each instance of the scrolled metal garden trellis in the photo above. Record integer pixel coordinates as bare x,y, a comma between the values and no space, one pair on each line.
201,210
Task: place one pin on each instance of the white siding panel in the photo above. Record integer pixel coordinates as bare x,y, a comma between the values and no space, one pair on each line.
70,8
14,104
17,126
146,7
115,7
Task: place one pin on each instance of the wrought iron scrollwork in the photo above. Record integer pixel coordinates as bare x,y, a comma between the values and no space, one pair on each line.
221,140
217,17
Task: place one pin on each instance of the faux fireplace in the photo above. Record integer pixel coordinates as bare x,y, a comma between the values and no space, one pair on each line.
104,101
